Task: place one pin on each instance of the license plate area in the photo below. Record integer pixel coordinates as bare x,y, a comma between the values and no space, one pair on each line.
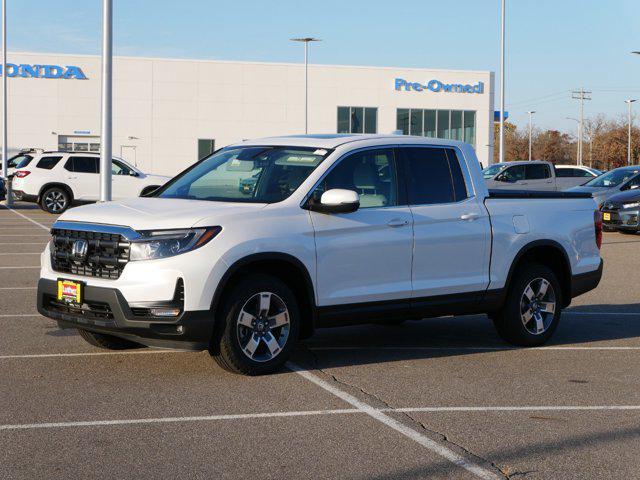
70,291
606,217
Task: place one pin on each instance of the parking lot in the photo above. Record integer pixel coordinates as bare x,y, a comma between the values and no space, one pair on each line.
440,398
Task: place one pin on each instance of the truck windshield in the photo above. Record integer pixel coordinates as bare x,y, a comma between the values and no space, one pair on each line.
612,178
489,172
246,174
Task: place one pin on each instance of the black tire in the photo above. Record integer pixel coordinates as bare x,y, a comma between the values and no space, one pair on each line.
227,349
55,200
107,342
509,321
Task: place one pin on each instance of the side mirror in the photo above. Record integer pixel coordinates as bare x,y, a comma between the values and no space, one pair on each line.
336,200
501,177
133,174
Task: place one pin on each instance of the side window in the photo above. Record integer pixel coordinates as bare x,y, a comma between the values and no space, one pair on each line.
429,178
119,168
512,174
371,173
537,171
459,185
83,164
634,182
565,172
48,163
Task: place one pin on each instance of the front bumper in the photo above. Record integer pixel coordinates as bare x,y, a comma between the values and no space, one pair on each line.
622,219
105,310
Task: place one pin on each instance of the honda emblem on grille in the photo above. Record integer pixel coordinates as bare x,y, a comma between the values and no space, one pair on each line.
79,250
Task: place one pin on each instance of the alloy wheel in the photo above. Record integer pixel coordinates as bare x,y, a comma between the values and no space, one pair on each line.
263,326
538,306
55,201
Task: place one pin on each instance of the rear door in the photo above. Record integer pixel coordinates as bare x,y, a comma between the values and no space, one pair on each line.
451,225
538,176
82,177
511,178
364,256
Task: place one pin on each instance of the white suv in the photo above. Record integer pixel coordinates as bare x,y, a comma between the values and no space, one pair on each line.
56,180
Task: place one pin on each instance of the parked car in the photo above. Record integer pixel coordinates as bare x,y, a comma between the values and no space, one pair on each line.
608,184
21,159
622,211
57,180
339,229
3,189
535,175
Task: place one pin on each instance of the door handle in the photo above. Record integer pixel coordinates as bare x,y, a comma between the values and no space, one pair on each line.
469,216
397,222
72,178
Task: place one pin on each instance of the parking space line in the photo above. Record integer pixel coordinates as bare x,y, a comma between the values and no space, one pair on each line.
524,408
92,354
22,253
27,218
14,268
203,418
408,432
478,349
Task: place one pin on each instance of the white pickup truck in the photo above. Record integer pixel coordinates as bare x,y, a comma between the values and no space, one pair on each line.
335,230
536,175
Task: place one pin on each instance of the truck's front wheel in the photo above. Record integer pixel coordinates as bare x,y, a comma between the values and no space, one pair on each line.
531,312
261,324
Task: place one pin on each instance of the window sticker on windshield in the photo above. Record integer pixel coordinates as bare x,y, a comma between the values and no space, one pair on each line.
320,151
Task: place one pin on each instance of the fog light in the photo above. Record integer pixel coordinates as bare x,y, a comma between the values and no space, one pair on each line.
165,312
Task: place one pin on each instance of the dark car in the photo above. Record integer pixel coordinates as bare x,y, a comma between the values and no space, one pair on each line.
3,190
621,211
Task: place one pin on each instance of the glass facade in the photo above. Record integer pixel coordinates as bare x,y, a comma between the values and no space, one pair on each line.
453,124
357,120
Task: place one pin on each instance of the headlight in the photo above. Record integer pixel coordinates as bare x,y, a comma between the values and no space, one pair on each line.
631,205
167,243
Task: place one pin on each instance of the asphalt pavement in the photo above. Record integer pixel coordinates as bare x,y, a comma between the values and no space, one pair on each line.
438,398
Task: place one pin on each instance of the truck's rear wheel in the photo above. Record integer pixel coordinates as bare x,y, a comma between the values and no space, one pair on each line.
108,342
261,324
531,312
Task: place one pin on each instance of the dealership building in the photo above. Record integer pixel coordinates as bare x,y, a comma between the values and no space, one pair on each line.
168,113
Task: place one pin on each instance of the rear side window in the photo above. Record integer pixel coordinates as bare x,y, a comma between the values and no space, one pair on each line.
47,163
19,161
433,176
537,172
82,164
572,172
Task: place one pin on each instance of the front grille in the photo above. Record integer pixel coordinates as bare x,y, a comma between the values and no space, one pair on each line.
88,310
106,256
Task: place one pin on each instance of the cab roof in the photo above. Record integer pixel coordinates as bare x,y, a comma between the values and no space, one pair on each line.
334,140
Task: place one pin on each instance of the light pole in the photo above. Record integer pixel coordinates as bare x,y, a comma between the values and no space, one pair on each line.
501,145
106,117
5,154
578,152
306,41
629,102
530,129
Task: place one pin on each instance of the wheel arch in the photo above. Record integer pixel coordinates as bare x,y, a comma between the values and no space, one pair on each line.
551,254
287,268
48,185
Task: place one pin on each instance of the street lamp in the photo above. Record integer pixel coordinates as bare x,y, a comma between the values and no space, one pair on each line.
306,41
106,116
530,129
629,102
501,145
5,153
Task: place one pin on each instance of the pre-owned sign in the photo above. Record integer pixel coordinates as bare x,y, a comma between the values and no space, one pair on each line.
44,71
438,86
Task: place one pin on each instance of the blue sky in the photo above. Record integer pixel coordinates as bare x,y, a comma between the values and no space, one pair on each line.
553,46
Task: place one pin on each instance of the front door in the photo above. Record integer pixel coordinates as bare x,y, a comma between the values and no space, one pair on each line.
451,225
364,256
124,181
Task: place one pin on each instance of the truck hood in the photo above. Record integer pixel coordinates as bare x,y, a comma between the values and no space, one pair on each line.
626,196
157,213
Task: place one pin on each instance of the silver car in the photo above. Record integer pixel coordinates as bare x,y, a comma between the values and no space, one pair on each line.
610,183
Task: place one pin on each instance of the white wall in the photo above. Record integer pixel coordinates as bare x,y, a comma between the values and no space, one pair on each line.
169,104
